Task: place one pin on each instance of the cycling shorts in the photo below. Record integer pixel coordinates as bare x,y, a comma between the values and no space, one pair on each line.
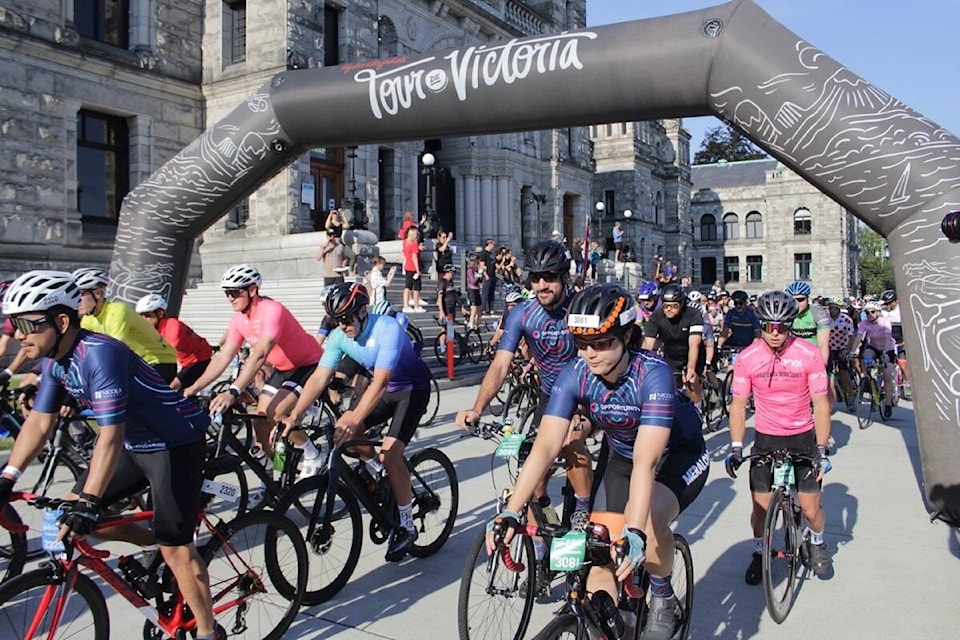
404,409
292,380
838,360
350,367
189,375
167,371
683,471
174,477
761,473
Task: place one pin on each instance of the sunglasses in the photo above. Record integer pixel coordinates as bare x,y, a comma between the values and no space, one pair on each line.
671,305
26,326
346,320
597,345
740,303
873,312
234,293
149,314
800,298
779,327
546,276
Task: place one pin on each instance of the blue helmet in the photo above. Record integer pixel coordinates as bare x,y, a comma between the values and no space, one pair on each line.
381,307
647,290
798,288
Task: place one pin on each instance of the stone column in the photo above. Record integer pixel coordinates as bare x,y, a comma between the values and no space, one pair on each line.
507,230
488,214
470,211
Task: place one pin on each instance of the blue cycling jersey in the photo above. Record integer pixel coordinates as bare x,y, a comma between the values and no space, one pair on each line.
547,337
743,327
381,345
644,396
105,376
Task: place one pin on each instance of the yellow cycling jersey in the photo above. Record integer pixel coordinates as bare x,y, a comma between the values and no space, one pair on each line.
120,321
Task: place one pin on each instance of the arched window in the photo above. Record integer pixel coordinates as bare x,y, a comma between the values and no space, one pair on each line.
754,224
802,222
731,226
708,228
387,41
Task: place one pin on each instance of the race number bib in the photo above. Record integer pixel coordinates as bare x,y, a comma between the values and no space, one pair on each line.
783,475
509,447
228,492
50,529
567,553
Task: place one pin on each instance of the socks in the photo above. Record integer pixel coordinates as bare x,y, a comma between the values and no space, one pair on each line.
661,587
758,545
406,516
583,504
815,537
310,452
539,548
373,466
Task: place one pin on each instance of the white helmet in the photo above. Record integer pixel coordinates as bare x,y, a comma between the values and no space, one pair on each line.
240,276
90,278
694,296
151,302
39,291
872,305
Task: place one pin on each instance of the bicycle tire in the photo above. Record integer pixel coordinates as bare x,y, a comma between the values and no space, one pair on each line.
433,405
223,508
13,546
439,347
333,561
683,584
21,598
779,591
864,403
474,343
256,540
436,499
562,627
505,613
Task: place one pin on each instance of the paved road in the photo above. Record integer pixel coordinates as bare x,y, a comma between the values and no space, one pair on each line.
896,575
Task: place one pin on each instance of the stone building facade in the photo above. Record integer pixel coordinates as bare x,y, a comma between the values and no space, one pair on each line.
759,226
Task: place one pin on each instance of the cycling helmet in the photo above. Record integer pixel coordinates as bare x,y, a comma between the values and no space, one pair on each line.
722,293
889,296
872,305
381,307
241,276
449,268
151,302
40,291
835,301
673,293
346,298
647,290
695,296
777,306
90,278
601,310
513,296
739,296
798,288
548,255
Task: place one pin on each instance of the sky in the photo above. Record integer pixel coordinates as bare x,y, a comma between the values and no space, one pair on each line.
907,48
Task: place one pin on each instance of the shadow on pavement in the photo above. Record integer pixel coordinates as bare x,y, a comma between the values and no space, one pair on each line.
724,605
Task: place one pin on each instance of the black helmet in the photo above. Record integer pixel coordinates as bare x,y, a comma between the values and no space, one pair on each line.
739,296
346,298
548,255
601,310
777,306
673,293
888,296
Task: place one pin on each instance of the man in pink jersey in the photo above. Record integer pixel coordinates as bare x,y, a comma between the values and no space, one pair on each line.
275,338
876,334
784,374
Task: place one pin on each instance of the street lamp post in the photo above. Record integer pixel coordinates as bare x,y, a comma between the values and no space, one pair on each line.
627,214
429,160
599,206
359,220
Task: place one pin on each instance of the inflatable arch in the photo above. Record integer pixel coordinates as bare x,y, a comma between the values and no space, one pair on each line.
896,170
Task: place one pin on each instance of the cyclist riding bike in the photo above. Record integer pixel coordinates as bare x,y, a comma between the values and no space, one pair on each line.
812,323
841,341
399,392
679,328
656,461
511,300
119,320
875,333
541,323
784,374
889,298
193,352
149,433
276,338
740,325
648,295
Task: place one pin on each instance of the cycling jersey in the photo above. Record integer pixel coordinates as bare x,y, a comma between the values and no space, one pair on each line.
893,315
782,384
644,396
381,345
547,337
743,327
105,376
190,347
675,334
119,320
809,322
293,347
841,330
879,334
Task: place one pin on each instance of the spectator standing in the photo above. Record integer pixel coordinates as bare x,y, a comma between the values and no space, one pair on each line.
594,260
617,233
474,277
489,286
653,269
332,258
444,251
405,226
412,272
379,282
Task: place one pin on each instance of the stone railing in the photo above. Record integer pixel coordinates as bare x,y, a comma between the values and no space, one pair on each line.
523,19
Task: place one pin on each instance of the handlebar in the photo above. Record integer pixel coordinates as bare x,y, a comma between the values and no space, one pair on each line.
485,430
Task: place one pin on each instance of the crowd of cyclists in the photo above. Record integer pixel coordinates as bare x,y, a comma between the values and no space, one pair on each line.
630,365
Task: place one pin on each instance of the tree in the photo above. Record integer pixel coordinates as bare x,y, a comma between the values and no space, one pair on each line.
876,271
726,143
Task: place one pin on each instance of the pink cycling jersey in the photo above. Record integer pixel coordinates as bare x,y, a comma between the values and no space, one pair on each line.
293,347
782,385
879,334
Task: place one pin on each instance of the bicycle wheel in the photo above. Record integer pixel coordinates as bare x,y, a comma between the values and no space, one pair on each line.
712,408
523,398
13,546
780,556
248,601
54,477
683,581
562,627
230,497
440,347
433,405
436,498
334,557
864,403
492,603
22,605
474,345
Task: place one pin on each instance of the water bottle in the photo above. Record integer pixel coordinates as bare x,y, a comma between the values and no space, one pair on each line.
280,455
507,426
613,625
